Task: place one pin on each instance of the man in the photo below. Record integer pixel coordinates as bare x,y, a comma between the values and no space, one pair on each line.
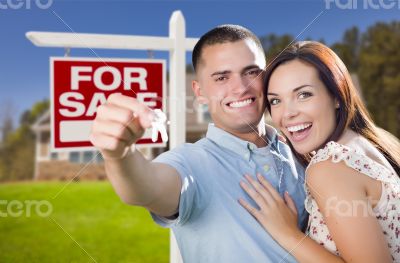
194,188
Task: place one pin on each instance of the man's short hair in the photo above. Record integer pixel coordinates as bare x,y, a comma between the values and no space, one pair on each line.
222,34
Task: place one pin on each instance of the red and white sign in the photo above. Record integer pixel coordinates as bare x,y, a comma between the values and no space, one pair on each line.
79,85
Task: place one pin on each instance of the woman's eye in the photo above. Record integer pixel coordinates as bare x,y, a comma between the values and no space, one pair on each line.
304,95
273,101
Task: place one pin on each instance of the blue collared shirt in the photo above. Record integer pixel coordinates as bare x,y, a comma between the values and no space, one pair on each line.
212,226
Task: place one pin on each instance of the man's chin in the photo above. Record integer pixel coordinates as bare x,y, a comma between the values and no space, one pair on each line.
242,124
245,127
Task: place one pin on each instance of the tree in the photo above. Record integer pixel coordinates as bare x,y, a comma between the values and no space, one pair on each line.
17,152
379,74
274,44
348,50
6,128
7,109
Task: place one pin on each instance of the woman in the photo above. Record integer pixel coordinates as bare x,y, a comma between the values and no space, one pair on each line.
352,182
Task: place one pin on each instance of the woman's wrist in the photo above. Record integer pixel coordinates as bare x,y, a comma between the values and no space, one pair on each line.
292,241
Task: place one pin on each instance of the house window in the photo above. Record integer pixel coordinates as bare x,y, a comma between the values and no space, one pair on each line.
87,156
54,156
74,157
203,115
99,158
207,116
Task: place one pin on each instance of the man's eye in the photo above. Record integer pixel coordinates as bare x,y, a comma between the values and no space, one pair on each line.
222,78
273,101
304,95
254,72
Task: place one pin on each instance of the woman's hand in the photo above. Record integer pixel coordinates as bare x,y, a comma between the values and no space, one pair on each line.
278,216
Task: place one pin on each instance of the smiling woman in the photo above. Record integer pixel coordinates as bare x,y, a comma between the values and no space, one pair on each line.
302,106
352,174
312,72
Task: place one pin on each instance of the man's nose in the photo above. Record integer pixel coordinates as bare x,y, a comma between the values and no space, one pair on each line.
239,84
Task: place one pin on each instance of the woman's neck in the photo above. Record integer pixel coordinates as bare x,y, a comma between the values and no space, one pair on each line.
348,137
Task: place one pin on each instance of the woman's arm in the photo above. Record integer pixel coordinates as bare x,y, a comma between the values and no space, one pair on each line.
341,195
358,235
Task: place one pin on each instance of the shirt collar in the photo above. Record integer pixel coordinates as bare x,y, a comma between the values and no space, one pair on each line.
243,148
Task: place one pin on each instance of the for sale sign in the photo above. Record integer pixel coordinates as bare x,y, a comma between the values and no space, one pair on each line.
79,85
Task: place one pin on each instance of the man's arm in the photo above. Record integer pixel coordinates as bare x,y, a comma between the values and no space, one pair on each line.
140,182
119,123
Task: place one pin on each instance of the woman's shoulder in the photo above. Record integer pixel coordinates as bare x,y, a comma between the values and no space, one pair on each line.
356,157
330,157
332,150
327,172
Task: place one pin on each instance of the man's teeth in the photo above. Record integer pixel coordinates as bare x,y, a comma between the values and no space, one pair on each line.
298,127
239,104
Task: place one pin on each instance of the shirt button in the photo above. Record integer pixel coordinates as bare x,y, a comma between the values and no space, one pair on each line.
247,155
266,168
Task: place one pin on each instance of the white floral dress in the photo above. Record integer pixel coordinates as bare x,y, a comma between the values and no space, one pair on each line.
387,210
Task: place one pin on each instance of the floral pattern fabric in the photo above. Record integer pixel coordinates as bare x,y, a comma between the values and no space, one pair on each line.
387,210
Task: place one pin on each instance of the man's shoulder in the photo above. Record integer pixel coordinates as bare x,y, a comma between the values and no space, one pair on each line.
196,147
187,151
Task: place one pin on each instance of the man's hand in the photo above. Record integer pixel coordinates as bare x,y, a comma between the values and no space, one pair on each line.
119,123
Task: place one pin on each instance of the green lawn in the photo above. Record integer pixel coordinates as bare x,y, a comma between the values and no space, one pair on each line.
91,213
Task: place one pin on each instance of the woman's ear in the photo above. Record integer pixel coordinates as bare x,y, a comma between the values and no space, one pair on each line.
337,104
198,92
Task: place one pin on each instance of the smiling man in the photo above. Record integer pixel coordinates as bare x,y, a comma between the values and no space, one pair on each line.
229,82
194,188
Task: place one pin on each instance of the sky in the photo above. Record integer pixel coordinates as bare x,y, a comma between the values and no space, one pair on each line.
24,68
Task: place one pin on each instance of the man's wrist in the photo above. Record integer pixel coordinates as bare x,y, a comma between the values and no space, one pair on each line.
128,151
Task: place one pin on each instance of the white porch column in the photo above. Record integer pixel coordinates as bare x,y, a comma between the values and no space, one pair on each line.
177,99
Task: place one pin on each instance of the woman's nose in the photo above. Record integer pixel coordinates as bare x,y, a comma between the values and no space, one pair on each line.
290,110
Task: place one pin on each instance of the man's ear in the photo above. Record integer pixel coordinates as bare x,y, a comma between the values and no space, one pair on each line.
198,92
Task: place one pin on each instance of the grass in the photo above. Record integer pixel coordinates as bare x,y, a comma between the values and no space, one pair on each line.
89,213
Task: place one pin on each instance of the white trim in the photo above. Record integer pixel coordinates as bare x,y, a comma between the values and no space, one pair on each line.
42,117
177,87
200,113
43,159
103,41
135,60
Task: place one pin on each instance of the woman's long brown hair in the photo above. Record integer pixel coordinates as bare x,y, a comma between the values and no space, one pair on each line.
352,112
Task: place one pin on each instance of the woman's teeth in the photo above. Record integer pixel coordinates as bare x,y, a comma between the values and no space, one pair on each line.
298,127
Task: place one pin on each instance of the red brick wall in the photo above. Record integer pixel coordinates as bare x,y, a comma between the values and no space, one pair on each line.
64,170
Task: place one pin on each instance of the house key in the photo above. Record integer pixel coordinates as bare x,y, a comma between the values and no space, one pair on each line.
159,126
